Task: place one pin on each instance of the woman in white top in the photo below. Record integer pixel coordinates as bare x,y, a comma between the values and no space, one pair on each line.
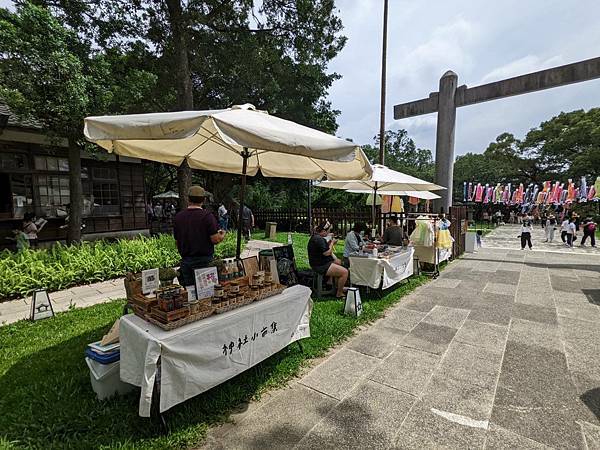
526,230
570,232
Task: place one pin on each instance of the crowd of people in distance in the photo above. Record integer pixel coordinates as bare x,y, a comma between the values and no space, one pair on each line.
570,228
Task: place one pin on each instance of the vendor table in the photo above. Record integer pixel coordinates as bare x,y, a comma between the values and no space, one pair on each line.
203,354
384,272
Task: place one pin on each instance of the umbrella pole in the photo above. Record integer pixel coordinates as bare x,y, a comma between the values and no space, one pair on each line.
245,155
373,208
309,207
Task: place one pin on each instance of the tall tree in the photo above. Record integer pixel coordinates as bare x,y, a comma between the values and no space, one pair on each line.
50,74
273,54
403,155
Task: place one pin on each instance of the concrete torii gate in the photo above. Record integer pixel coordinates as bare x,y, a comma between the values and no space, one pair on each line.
451,96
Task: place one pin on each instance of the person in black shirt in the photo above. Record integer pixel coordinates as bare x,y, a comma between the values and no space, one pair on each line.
393,234
323,261
196,233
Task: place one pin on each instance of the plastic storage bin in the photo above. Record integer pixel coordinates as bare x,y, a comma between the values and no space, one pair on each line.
106,379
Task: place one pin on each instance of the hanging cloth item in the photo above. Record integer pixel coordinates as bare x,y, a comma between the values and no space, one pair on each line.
498,193
520,194
479,193
591,193
370,200
488,192
471,192
464,191
541,197
583,190
571,192
443,237
397,204
423,234
386,204
597,187
413,201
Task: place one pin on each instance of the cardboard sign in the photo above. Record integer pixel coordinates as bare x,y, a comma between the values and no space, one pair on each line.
41,308
353,305
191,290
150,281
206,279
250,265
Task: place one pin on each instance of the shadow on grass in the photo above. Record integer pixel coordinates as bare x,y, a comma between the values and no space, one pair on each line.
47,401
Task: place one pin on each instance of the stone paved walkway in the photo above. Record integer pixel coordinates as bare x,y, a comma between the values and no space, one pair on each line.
505,236
501,351
92,294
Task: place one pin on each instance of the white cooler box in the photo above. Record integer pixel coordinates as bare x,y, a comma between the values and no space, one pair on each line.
106,379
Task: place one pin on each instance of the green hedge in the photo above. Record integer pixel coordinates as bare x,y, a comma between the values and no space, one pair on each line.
63,266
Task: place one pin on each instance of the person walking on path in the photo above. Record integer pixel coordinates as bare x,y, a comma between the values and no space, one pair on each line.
196,234
589,230
550,227
223,217
526,230
564,228
570,232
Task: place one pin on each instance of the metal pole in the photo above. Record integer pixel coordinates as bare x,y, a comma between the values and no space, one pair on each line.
373,208
310,207
383,73
245,155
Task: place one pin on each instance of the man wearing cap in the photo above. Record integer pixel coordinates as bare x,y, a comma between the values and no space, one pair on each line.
196,233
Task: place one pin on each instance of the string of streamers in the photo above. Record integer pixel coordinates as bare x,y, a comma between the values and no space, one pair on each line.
548,193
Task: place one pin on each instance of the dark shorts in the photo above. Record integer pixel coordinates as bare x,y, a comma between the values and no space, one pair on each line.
187,267
322,269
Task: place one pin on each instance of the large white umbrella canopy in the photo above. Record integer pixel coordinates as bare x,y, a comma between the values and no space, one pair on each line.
383,180
425,195
216,140
239,140
167,195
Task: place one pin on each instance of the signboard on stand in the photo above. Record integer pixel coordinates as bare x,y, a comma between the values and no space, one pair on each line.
353,305
41,308
150,281
206,279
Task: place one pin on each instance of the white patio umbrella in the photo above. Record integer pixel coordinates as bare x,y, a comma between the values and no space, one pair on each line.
382,181
425,195
237,140
167,195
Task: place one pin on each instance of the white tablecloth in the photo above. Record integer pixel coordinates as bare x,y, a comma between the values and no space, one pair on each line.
427,254
203,354
371,271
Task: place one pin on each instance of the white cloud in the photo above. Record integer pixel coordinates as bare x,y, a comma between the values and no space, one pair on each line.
481,42
527,64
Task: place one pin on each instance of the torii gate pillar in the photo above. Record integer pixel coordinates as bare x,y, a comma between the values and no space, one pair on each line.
444,144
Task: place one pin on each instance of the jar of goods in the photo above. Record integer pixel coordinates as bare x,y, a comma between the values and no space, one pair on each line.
219,291
234,287
268,277
240,299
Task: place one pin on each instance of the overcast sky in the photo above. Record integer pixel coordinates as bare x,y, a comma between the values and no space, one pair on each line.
481,41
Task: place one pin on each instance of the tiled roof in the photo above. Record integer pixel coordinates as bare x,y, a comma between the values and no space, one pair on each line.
14,121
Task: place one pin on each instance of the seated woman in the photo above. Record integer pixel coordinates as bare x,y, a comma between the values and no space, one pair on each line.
353,243
323,261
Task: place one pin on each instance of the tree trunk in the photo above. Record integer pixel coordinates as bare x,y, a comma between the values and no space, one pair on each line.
76,193
185,95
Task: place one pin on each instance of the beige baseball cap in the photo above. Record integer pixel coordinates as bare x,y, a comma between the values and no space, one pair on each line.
197,191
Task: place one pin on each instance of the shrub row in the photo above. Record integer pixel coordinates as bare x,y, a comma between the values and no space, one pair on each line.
63,266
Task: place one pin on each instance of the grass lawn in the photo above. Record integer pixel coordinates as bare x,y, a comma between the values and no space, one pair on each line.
47,401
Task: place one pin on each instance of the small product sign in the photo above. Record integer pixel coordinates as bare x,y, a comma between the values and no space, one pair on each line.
41,308
206,279
150,281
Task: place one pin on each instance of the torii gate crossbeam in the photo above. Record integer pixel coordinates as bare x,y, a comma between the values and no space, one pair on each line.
452,96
